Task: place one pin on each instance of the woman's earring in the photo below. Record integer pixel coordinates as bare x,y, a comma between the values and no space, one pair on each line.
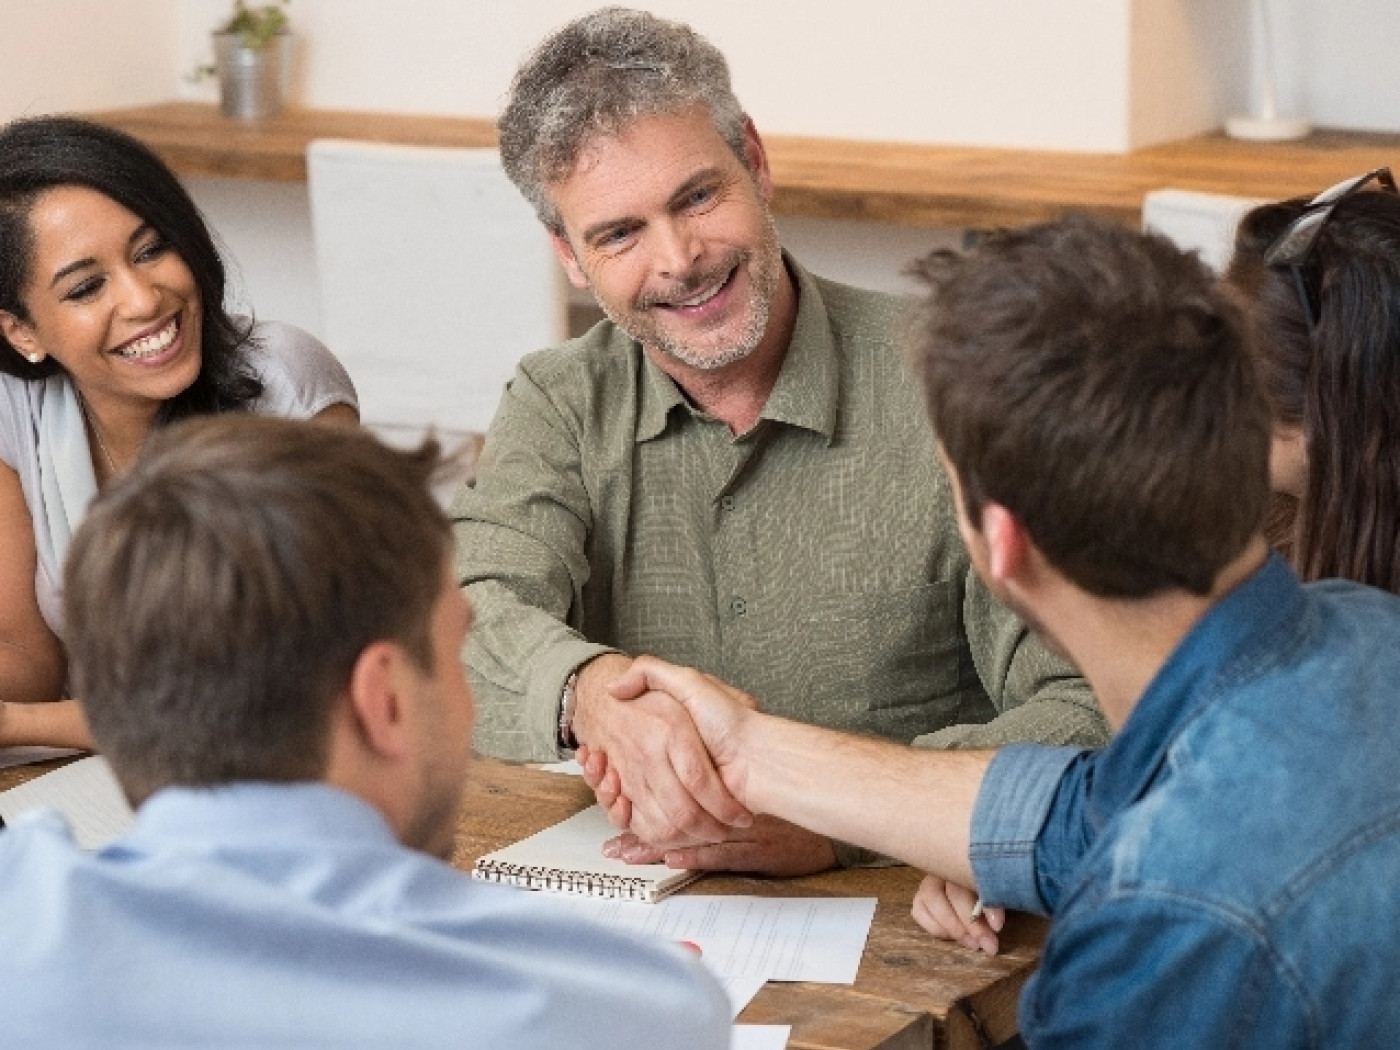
34,358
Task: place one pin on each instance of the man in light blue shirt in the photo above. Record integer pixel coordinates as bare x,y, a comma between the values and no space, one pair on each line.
265,633
1223,873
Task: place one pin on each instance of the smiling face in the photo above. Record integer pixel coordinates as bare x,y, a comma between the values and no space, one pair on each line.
672,233
109,299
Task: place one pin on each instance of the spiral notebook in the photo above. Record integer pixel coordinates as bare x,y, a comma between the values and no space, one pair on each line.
568,858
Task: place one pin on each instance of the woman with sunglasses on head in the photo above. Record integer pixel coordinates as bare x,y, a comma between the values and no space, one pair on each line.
1323,280
112,323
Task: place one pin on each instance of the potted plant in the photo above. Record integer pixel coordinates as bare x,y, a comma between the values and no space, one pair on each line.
252,56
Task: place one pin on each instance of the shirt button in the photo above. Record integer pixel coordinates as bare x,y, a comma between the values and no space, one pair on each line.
726,502
739,606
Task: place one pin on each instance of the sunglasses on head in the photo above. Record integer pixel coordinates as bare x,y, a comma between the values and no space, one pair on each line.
1294,246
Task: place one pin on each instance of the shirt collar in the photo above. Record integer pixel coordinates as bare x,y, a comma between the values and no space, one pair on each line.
256,811
1223,648
808,386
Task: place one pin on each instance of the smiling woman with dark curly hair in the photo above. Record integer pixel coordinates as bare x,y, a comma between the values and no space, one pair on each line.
112,323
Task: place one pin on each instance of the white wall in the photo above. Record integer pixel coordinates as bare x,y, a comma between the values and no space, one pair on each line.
264,230
58,55
1338,61
1072,74
1189,66
997,72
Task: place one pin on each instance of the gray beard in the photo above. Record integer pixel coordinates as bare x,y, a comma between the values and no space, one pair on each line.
707,361
766,276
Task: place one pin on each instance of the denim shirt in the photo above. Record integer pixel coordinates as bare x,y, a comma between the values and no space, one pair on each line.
1226,873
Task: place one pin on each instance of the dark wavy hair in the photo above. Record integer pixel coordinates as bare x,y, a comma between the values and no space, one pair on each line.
1339,384
42,153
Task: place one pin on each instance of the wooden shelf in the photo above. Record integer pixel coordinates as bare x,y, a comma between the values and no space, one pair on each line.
827,178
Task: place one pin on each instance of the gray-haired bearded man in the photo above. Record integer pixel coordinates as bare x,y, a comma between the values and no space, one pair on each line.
732,472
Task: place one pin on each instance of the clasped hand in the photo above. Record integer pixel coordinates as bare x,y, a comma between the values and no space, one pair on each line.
661,754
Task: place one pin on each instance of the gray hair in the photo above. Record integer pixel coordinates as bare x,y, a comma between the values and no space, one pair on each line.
596,75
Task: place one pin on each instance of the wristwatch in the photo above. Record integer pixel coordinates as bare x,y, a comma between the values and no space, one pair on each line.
566,713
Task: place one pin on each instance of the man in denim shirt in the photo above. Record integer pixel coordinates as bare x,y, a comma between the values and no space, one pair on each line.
1222,874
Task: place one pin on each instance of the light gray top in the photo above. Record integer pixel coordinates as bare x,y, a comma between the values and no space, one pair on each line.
42,438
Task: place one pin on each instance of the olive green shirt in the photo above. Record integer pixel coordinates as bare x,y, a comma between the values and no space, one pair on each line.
814,561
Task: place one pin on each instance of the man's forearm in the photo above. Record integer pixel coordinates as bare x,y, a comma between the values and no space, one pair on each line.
519,658
1039,696
1064,713
912,805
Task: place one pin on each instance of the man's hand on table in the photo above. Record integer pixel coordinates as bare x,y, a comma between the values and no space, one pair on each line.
769,847
670,791
947,910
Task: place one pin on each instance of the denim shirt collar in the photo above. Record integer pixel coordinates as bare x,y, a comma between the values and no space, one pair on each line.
1224,644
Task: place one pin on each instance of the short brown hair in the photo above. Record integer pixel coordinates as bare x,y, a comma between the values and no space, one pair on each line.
1098,384
219,595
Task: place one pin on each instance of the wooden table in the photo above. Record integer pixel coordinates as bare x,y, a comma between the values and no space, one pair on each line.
919,185
911,991
13,776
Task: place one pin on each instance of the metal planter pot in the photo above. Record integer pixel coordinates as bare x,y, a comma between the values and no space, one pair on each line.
253,82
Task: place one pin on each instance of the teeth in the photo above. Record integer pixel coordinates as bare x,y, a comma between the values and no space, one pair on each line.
703,297
155,343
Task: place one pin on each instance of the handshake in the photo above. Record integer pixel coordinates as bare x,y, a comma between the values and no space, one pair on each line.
664,750
693,772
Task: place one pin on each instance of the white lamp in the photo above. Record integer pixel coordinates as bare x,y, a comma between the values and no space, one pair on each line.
1265,125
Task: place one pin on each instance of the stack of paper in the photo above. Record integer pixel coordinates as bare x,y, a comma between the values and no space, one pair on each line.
85,792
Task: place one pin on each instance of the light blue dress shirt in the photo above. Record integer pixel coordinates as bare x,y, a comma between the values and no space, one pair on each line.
1224,874
262,915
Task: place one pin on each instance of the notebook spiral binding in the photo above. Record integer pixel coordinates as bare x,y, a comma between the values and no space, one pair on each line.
537,877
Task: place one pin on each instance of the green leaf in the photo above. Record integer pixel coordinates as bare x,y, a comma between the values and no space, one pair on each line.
257,25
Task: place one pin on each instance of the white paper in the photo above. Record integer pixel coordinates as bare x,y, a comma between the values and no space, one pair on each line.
568,858
85,792
759,1036
569,766
29,754
739,990
776,938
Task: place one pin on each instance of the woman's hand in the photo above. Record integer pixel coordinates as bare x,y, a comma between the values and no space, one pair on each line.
954,913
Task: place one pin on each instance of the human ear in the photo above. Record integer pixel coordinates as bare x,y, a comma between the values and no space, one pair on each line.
756,159
564,251
377,699
20,335
1006,541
